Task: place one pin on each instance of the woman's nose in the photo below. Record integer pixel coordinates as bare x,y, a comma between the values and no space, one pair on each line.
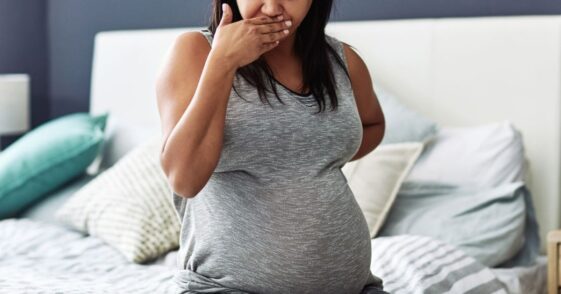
271,8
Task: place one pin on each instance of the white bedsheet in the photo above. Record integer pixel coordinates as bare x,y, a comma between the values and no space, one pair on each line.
530,280
38,257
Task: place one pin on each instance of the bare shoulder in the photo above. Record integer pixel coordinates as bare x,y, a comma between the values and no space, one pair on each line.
193,41
357,66
361,81
190,49
185,61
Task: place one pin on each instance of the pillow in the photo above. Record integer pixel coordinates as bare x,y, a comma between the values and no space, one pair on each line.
490,224
121,137
402,123
375,179
530,251
44,210
485,155
127,206
46,158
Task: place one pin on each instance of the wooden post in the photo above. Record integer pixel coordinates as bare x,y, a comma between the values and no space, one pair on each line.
553,262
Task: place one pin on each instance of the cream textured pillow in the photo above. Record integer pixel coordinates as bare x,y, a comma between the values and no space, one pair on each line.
376,178
128,206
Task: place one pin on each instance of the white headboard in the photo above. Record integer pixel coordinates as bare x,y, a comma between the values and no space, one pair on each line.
457,71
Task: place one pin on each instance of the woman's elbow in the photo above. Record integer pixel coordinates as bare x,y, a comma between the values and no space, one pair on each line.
177,181
181,187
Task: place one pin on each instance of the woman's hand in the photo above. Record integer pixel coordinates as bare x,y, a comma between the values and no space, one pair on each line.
244,41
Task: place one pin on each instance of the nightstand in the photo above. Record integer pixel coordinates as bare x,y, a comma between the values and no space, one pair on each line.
14,105
553,262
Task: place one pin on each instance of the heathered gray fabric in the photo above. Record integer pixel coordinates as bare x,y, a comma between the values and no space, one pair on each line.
277,214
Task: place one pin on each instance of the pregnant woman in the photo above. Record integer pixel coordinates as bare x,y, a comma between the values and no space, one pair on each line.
259,113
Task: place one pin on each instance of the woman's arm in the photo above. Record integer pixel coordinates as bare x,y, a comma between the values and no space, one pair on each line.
192,92
371,114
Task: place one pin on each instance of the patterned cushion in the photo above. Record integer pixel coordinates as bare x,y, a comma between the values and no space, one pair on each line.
376,178
128,206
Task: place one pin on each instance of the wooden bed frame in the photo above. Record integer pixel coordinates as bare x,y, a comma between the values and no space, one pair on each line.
554,262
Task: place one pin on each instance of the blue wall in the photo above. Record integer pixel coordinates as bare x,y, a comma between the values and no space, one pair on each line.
53,39
23,49
73,25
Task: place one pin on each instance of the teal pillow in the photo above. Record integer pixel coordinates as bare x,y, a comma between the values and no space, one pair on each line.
46,158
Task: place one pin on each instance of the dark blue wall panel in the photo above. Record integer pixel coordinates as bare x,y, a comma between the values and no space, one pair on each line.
396,9
73,25
23,48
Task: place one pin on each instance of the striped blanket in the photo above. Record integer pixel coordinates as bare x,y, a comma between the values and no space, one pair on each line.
43,258
417,264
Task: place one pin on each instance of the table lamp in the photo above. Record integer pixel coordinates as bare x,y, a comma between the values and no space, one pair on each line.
14,104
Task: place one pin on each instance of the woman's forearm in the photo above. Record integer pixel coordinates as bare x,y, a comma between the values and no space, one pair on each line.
372,135
193,148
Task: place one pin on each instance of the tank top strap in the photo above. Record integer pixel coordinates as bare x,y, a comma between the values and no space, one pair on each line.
208,35
339,48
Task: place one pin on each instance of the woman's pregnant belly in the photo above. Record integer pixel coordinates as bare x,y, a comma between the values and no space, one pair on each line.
305,237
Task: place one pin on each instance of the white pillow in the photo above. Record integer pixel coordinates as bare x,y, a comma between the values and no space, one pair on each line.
403,124
376,178
128,206
121,136
486,155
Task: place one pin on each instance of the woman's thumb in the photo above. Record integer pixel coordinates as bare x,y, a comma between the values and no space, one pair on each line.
226,15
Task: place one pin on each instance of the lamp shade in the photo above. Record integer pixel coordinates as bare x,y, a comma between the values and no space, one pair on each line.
14,103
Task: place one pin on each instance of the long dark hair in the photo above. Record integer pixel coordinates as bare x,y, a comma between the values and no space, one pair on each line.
310,46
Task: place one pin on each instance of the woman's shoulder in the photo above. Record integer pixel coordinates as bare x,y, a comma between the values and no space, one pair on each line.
190,49
186,58
193,40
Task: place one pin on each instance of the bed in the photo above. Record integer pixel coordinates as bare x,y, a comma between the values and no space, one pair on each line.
444,68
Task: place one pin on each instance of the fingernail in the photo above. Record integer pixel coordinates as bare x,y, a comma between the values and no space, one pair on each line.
288,23
280,17
285,32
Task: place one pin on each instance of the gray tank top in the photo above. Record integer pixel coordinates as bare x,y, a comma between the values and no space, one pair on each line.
277,214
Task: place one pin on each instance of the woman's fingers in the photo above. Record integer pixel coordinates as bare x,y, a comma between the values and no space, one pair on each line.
226,15
265,20
268,30
275,27
273,37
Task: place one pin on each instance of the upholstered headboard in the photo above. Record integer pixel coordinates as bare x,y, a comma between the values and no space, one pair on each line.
457,71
